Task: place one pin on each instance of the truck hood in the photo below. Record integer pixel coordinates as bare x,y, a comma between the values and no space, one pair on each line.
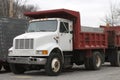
34,35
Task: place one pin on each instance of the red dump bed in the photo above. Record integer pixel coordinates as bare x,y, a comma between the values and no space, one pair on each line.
82,40
92,40
113,33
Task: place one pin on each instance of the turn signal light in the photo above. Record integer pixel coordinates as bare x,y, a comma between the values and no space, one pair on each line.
44,52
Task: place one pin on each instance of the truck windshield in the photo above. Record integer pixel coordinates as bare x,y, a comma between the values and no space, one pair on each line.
43,26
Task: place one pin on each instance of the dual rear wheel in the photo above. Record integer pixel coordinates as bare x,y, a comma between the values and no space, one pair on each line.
94,62
115,59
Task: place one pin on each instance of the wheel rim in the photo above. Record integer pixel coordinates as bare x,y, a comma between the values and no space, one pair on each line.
98,61
55,65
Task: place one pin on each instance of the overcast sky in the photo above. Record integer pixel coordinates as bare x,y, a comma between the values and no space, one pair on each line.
92,11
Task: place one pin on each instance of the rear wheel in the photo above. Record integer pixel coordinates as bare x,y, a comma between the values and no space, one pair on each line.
17,68
115,59
54,64
94,62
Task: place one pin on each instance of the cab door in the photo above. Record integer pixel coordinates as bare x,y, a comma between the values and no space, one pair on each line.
65,36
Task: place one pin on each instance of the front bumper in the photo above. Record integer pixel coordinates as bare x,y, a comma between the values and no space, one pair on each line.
27,60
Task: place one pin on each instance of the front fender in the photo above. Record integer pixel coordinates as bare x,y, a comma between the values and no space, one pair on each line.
49,47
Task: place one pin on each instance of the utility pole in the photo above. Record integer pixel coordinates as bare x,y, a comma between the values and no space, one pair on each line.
11,9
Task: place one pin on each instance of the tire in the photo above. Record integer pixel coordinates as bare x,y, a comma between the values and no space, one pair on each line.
0,67
54,64
7,68
115,59
94,62
17,69
87,63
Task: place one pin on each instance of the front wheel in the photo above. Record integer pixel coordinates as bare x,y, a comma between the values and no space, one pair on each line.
17,68
54,64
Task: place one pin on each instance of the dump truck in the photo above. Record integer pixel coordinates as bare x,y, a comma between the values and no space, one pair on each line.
9,28
55,40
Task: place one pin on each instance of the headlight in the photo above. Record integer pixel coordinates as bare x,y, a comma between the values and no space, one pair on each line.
10,52
43,52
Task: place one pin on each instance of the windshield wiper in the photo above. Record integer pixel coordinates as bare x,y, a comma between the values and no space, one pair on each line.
43,30
31,31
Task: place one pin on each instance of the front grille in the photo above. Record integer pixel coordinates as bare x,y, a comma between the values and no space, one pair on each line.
24,44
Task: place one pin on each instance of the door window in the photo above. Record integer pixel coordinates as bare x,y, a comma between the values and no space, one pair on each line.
64,27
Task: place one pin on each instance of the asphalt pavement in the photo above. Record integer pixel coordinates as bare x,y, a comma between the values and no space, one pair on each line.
77,73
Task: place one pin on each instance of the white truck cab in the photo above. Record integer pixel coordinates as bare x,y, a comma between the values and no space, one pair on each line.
43,39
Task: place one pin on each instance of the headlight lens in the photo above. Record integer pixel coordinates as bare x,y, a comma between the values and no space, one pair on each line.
38,52
10,52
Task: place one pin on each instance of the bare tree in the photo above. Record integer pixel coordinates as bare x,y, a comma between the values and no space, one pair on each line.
4,8
113,18
19,7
